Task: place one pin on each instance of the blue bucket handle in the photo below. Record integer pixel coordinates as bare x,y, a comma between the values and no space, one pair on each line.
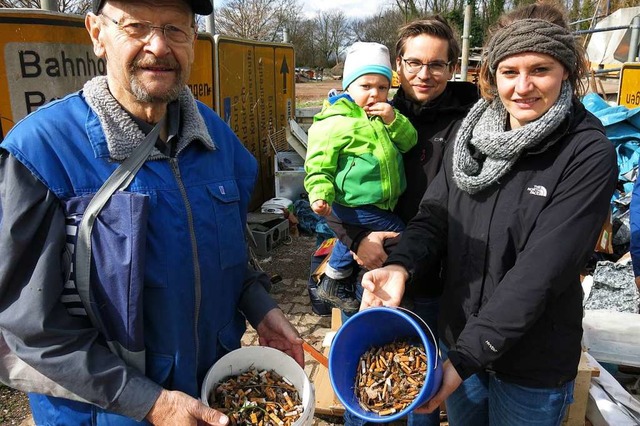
433,337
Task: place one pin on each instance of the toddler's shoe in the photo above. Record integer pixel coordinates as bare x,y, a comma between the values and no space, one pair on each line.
339,294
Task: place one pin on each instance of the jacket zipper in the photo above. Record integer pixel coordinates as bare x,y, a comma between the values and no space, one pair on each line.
194,250
485,269
351,166
383,163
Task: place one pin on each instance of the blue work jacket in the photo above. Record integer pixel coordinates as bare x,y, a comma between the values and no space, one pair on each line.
169,255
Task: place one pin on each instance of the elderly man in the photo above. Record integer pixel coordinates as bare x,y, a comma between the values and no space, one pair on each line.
169,287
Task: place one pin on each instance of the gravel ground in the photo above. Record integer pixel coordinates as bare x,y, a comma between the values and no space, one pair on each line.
14,407
312,93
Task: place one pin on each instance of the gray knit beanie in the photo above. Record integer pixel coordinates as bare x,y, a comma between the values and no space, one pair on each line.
532,35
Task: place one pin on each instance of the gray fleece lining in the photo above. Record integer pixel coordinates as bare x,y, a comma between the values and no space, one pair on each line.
123,135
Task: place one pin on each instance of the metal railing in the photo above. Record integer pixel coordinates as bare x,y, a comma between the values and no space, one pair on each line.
634,26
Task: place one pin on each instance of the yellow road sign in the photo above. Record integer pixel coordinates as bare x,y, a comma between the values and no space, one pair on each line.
255,86
44,56
201,78
47,55
629,91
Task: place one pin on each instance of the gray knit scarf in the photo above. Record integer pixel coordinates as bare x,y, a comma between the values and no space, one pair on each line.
483,129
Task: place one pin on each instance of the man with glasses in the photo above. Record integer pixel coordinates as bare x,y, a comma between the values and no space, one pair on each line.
427,52
168,287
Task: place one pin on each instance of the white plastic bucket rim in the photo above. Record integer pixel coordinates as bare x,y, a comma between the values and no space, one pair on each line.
263,358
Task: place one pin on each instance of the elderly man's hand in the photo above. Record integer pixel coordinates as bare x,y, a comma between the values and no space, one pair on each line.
177,408
276,331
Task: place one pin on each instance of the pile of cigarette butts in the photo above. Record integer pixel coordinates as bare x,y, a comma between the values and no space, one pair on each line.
390,377
257,397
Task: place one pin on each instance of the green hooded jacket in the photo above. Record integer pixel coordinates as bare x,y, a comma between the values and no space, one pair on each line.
354,159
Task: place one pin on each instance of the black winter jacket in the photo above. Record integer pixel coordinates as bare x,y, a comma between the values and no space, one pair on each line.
437,123
512,301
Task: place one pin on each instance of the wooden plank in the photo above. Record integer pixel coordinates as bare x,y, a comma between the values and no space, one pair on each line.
326,400
578,409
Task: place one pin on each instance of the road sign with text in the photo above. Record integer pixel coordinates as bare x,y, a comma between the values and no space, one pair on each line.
629,91
255,84
47,55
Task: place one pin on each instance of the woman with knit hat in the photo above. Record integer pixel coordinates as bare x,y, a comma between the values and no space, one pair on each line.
515,211
354,161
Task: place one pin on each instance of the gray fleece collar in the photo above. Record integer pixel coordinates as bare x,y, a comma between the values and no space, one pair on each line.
123,135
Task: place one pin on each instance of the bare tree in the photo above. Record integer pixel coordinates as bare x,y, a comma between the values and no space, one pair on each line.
23,4
381,28
332,31
410,8
78,7
302,36
255,19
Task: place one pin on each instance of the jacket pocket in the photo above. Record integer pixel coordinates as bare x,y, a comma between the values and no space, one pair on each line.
159,368
359,180
229,336
225,199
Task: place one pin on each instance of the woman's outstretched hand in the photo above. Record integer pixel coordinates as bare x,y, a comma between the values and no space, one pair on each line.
384,286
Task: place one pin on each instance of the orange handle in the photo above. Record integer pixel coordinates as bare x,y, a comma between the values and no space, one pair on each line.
317,355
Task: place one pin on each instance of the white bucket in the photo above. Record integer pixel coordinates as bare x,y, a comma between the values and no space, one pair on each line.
263,358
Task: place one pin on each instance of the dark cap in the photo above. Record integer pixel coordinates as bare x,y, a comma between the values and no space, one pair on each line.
200,7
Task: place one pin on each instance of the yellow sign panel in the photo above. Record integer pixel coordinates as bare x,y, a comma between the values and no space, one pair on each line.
201,78
629,91
43,56
47,55
267,119
255,87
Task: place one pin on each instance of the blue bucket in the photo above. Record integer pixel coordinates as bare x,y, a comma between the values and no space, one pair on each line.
378,327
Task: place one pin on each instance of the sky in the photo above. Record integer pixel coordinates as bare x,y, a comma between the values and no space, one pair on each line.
351,8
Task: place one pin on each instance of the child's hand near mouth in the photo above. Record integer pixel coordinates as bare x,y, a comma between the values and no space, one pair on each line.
383,110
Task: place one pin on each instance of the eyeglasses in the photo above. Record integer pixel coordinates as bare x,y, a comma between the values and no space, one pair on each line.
141,30
436,68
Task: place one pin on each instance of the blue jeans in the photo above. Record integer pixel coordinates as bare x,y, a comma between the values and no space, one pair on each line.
52,411
371,217
427,309
484,399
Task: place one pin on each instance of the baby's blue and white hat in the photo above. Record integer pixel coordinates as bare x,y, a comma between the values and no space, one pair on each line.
365,58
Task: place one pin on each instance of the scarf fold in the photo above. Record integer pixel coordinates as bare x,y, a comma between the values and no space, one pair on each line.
484,152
